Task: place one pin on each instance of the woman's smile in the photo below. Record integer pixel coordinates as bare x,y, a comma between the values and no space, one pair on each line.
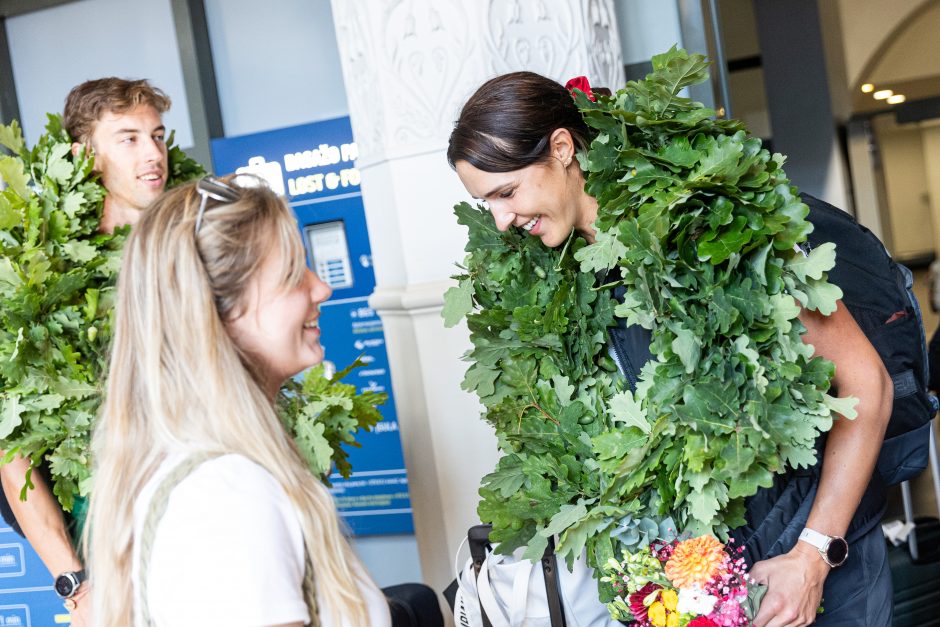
531,224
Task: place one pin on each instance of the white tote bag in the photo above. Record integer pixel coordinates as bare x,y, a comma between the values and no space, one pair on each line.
511,591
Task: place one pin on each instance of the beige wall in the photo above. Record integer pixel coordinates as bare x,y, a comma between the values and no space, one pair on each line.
931,165
914,53
865,25
738,28
909,207
749,101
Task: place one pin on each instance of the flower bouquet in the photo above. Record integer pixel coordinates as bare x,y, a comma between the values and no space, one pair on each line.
697,582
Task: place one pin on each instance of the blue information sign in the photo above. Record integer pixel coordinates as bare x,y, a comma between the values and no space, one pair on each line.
313,165
27,598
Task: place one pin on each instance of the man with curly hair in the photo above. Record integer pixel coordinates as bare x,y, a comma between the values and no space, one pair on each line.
120,123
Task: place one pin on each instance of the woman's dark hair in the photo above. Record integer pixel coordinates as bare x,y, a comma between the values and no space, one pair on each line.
507,122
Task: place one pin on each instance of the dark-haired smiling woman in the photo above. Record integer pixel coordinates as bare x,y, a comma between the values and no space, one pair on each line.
514,147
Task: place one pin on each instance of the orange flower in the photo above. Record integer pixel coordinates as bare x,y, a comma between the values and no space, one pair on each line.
695,562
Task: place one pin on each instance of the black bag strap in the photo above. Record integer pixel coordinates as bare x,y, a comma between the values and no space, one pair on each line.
552,583
478,537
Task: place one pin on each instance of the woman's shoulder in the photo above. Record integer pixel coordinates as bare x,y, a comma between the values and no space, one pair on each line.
229,485
228,515
229,470
229,490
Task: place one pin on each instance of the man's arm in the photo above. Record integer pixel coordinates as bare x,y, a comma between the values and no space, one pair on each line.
795,579
40,518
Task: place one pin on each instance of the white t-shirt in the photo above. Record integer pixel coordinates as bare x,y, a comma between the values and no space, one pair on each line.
228,551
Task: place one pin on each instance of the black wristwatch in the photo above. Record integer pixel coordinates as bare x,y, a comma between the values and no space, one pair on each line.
67,584
833,549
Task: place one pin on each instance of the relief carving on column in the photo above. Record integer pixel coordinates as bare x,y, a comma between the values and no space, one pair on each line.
358,58
556,38
540,36
410,64
427,47
404,63
605,62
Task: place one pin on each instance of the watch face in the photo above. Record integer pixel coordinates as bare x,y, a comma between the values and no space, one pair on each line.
64,586
837,551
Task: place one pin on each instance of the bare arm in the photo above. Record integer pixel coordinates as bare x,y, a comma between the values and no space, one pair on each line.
853,446
40,518
795,580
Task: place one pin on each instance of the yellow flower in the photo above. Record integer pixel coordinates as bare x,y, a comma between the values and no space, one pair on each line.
672,620
694,562
657,614
670,600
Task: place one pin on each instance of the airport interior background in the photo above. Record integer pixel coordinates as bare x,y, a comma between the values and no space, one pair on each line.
849,89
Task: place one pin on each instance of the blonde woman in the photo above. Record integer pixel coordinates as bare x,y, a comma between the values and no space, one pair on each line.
203,511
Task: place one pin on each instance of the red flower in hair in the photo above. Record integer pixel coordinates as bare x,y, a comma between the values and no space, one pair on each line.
580,82
702,621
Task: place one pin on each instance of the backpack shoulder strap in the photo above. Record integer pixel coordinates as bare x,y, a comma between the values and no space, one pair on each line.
479,539
155,512
878,292
552,582
479,544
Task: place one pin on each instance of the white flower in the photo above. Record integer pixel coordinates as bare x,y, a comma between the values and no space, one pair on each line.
695,602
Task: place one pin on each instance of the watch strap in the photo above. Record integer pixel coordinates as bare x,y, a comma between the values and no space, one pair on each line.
834,550
814,538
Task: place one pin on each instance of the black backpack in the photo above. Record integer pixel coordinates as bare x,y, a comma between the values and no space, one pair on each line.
878,293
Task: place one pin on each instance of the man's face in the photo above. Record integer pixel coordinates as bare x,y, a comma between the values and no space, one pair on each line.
130,154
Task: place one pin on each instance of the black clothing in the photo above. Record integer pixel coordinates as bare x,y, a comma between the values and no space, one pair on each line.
776,516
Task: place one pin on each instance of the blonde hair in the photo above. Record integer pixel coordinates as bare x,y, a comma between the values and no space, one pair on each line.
178,381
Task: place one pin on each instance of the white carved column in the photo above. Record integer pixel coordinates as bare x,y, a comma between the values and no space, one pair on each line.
409,65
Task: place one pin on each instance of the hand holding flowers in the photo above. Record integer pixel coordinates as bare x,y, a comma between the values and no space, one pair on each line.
794,583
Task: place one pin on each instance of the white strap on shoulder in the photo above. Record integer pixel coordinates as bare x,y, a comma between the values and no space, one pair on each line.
520,592
488,602
457,558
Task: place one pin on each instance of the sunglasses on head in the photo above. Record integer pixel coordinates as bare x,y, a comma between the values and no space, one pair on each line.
223,192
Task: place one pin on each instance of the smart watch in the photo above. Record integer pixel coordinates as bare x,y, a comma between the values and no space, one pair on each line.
833,549
67,584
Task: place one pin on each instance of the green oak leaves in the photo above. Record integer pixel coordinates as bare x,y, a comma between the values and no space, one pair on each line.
698,230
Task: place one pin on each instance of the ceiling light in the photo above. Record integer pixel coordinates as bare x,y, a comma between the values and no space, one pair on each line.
882,94
896,99
867,88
